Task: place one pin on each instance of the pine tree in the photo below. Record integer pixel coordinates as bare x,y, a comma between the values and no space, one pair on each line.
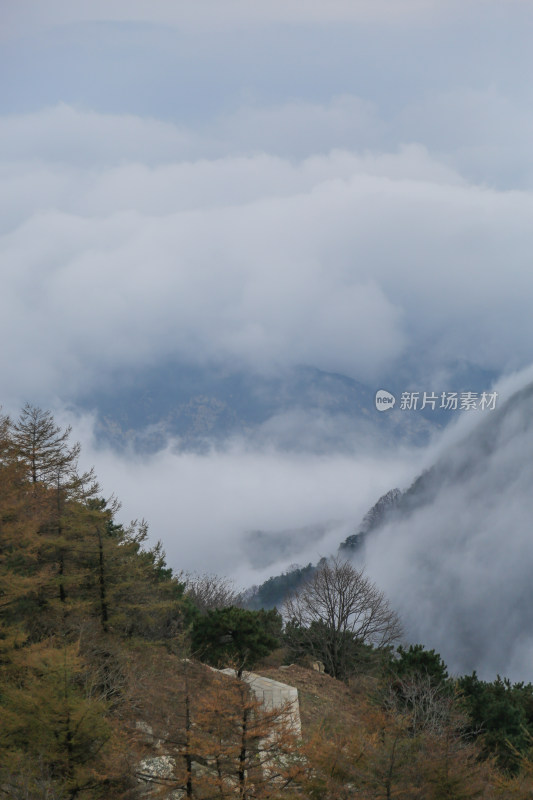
51,463
47,718
22,515
236,635
43,446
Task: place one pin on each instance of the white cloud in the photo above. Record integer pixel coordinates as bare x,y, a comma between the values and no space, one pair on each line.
203,506
299,128
81,137
288,222
346,260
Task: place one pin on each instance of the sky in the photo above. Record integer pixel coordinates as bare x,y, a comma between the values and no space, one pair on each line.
339,184
347,185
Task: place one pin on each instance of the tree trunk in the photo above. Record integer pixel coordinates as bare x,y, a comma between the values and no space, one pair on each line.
242,755
102,583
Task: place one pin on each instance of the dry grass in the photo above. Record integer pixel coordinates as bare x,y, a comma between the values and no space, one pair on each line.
324,701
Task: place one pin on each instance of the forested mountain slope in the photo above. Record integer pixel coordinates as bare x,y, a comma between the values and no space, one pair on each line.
107,688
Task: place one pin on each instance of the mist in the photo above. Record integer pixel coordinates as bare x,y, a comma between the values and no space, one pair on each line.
458,566
251,188
205,507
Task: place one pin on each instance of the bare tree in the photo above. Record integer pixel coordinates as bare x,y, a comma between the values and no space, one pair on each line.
336,612
432,708
209,592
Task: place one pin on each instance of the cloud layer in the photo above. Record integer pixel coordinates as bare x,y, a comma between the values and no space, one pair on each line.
205,507
345,260
345,185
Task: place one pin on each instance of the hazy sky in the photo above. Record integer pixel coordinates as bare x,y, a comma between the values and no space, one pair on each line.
345,184
340,184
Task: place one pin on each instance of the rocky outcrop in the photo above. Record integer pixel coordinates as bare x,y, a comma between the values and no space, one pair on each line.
156,770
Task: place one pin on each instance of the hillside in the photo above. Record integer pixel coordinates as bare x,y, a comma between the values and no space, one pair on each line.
455,553
302,408
110,684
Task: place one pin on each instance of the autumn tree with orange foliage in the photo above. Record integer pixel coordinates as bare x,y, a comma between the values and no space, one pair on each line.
204,733
396,752
72,585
